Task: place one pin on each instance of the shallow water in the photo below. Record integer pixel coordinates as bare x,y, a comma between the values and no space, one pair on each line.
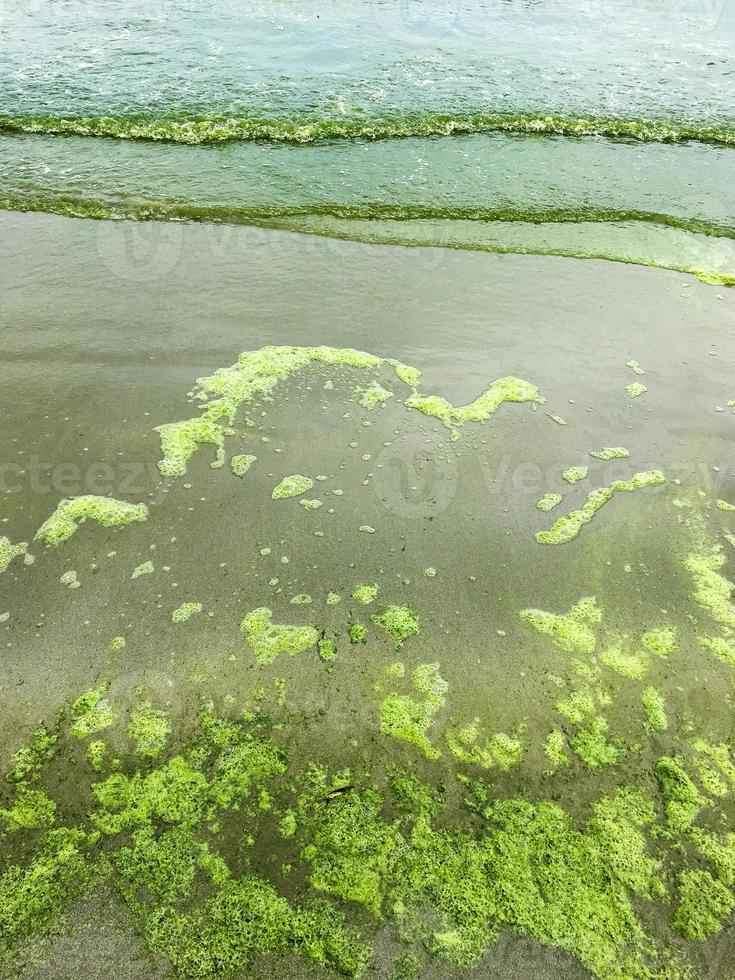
568,111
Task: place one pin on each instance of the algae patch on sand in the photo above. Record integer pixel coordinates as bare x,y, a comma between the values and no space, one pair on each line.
365,594
549,501
269,640
575,473
107,511
185,611
501,390
399,622
704,904
91,713
572,631
292,486
473,747
568,526
635,389
374,395
241,464
10,551
711,589
409,719
146,568
611,452
149,730
258,373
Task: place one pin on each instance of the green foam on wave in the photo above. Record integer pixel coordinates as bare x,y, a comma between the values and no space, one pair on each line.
220,128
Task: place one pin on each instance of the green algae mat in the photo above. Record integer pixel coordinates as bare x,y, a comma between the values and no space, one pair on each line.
366,658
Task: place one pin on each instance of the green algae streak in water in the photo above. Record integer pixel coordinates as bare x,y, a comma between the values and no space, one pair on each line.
195,130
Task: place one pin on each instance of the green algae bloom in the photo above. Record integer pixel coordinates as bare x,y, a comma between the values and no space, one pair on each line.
654,708
301,600
256,375
719,852
31,810
719,755
720,647
566,528
555,748
593,747
70,580
682,799
29,760
32,896
381,849
617,824
107,511
366,529
573,631
269,641
241,464
311,504
469,746
96,754
292,486
357,632
704,904
635,367
406,966
549,501
611,452
185,611
145,569
635,389
10,551
149,729
501,390
408,719
374,395
410,376
712,590
365,594
724,505
333,598
631,665
660,641
180,440
399,622
118,644
91,713
575,473
577,706
219,127
327,650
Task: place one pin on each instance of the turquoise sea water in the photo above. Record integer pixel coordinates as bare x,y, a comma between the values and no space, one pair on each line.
445,112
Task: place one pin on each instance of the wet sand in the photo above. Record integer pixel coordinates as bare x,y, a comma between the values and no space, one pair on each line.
106,326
